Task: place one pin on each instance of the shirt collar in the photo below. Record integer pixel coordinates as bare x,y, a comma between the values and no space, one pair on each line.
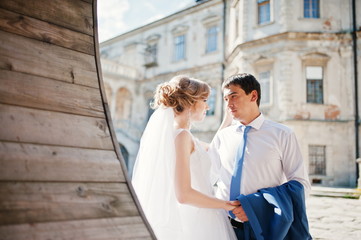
256,123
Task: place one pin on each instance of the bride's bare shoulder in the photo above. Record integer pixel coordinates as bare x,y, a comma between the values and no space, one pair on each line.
184,139
183,135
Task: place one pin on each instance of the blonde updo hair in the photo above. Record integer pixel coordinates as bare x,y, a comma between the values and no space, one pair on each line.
180,92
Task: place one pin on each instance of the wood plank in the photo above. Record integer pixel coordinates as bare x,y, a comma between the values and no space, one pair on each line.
28,125
30,56
72,14
29,162
43,31
94,229
38,92
34,202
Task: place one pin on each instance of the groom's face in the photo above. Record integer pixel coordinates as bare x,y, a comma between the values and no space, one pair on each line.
238,102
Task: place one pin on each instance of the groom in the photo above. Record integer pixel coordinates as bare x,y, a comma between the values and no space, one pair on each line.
259,163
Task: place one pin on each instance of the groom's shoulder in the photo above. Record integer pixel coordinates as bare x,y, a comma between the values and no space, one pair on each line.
228,130
276,126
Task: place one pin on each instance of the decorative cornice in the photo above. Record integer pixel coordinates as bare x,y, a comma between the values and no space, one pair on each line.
291,36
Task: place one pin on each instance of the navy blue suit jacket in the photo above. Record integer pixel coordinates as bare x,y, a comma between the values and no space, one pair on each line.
277,212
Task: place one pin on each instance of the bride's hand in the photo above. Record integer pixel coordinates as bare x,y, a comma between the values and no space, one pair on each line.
231,205
227,119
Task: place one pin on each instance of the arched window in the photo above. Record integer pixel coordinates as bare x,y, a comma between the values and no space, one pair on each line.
123,104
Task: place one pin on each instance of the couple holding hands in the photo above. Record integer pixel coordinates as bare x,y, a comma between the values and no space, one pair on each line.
250,182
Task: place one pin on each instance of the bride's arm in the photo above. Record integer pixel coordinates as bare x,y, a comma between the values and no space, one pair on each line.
184,191
227,119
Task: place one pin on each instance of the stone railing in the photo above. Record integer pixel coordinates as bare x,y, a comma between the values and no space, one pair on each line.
111,67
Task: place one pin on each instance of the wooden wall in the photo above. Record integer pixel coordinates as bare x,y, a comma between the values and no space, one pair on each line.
61,171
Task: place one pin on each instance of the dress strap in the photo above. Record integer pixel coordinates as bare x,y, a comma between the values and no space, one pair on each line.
179,130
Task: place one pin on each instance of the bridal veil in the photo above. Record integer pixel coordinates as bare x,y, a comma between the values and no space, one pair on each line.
153,175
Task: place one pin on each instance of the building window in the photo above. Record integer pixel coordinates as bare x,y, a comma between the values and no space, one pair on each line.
314,80
264,13
264,80
211,103
123,104
150,55
212,34
311,9
317,159
179,47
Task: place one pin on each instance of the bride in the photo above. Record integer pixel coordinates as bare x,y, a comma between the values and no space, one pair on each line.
172,172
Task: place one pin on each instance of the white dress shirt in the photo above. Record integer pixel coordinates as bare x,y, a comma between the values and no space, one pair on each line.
272,157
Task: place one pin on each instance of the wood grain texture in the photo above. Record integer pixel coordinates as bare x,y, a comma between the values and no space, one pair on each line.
62,175
43,93
33,202
33,57
19,124
72,14
30,162
93,229
43,31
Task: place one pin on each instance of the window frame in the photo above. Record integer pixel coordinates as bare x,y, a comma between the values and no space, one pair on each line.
176,48
315,59
214,36
314,81
262,4
265,64
179,31
212,21
311,10
269,71
316,163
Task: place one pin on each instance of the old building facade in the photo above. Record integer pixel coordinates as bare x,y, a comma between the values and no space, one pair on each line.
301,51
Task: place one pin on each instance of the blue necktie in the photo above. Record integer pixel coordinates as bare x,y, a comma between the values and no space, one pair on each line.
237,174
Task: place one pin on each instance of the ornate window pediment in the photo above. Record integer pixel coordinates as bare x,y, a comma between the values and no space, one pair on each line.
315,58
153,38
179,29
211,19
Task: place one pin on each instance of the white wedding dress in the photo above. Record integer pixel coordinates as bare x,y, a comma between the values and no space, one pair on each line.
203,223
153,182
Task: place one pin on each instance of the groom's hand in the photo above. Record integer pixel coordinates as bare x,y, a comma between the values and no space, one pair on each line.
240,214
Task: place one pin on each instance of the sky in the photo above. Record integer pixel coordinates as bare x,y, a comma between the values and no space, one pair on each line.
119,16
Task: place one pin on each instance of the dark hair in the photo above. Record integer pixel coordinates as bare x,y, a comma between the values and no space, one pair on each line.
245,81
180,92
